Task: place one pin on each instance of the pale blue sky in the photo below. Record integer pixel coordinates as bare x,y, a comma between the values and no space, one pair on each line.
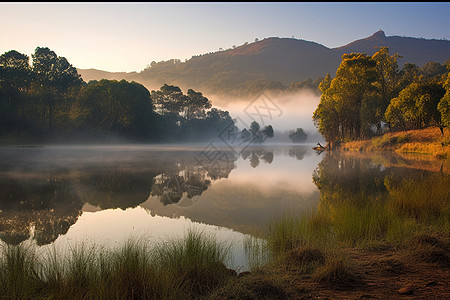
128,36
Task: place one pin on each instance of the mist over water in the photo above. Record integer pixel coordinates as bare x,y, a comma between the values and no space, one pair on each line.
287,112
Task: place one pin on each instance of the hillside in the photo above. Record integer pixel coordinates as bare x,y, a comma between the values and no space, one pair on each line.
413,50
272,62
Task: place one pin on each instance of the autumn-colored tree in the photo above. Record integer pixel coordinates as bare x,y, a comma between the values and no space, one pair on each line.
339,113
325,116
387,85
444,103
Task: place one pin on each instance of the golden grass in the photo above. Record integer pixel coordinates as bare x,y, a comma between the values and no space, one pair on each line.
428,141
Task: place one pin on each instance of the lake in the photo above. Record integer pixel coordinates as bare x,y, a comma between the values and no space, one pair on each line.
58,196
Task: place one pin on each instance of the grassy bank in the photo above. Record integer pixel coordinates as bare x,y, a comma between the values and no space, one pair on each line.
396,245
429,141
187,268
354,247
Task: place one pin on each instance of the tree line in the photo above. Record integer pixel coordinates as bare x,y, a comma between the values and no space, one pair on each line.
47,100
371,94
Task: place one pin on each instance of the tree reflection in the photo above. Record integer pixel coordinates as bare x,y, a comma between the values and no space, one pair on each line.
257,155
171,187
298,153
45,207
41,209
115,187
191,180
339,176
361,197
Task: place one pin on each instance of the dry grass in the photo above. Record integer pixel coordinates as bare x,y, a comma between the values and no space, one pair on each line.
336,273
429,248
429,141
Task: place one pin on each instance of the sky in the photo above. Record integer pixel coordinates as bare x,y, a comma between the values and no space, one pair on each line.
127,36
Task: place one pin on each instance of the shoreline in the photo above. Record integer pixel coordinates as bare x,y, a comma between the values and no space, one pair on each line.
428,141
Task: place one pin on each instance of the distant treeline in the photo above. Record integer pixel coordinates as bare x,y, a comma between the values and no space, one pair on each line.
370,94
231,82
48,101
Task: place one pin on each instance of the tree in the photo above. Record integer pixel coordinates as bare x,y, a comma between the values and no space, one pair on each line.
433,70
298,136
268,132
259,136
15,79
54,79
386,85
114,106
444,103
326,116
408,75
254,129
196,105
169,99
416,106
339,113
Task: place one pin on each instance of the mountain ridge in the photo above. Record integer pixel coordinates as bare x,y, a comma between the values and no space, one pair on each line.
273,62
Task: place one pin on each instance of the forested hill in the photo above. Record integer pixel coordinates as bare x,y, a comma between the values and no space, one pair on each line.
274,63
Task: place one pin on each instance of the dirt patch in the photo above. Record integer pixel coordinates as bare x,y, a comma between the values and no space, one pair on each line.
375,273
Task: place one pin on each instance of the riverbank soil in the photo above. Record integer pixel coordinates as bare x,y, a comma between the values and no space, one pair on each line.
419,270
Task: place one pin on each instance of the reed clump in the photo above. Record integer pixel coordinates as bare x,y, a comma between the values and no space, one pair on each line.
178,269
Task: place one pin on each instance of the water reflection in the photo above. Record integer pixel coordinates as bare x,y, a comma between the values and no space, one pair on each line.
190,181
365,183
256,155
45,192
43,208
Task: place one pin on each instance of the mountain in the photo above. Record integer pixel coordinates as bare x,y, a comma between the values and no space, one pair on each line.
272,62
413,50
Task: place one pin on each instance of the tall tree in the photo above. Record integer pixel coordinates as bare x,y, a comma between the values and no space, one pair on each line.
386,84
444,103
416,106
196,105
326,116
298,136
15,79
55,78
169,99
338,115
111,106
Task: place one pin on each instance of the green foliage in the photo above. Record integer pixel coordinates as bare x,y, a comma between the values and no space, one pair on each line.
368,91
325,116
49,101
255,134
114,106
298,136
444,103
416,106
338,116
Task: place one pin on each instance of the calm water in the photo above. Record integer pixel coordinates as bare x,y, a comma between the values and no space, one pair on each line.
61,195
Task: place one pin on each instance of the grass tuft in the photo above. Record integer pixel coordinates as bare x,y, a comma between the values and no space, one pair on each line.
337,274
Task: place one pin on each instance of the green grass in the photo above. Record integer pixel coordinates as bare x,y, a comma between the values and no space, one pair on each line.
410,207
18,272
177,269
413,213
